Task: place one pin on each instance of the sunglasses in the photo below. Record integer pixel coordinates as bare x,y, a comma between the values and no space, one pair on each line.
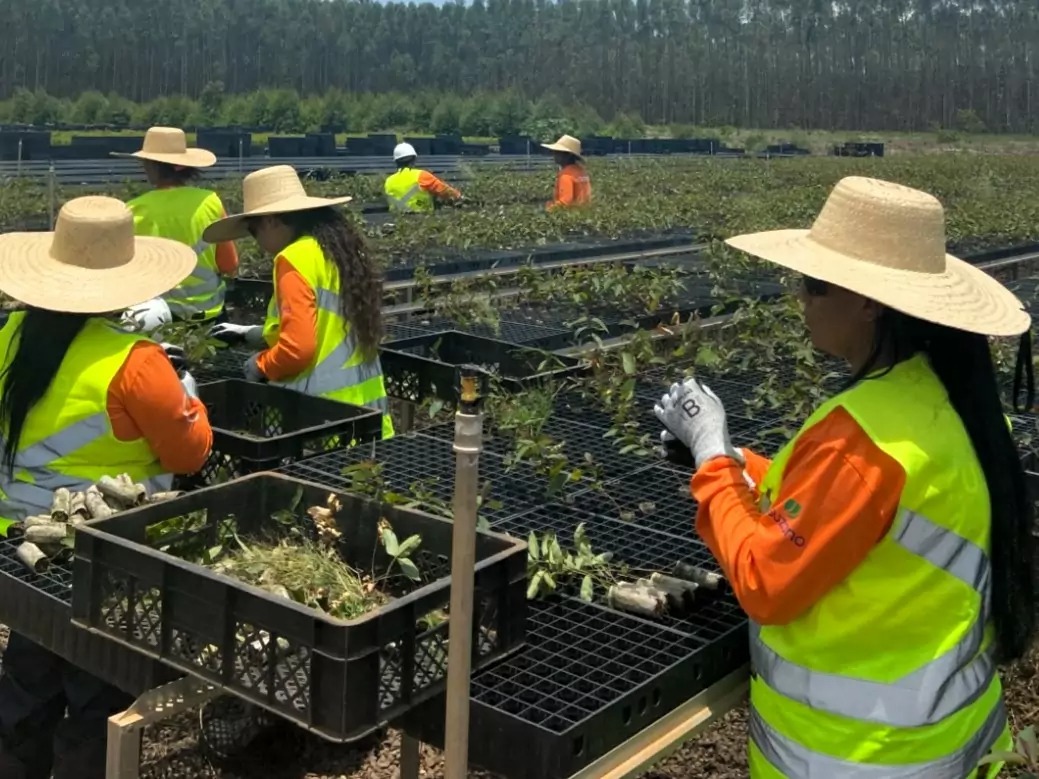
814,287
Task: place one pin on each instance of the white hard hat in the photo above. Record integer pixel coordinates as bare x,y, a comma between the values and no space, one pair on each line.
403,151
148,316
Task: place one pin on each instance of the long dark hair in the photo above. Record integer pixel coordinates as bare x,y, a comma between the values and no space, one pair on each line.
963,362
360,282
175,175
43,339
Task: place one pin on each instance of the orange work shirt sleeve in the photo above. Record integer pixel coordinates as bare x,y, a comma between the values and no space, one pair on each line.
844,492
226,255
565,190
296,348
146,400
434,186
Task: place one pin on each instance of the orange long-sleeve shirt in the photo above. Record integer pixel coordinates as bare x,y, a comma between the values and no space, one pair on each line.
429,183
146,400
780,565
296,348
573,187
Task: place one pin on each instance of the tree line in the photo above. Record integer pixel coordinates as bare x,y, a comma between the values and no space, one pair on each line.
893,64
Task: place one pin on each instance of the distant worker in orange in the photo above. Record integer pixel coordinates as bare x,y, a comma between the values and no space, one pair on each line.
413,190
573,187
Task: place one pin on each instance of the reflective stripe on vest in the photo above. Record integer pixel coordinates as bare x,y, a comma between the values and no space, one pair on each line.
797,762
333,373
938,689
202,291
402,203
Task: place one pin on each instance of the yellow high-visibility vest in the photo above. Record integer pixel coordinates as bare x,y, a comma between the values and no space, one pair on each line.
403,192
67,440
339,371
182,214
891,674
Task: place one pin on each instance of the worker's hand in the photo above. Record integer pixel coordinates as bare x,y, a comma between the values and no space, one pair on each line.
148,316
176,355
252,369
251,335
187,381
696,418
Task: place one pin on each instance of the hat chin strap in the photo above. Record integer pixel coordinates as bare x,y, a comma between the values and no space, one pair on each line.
1024,372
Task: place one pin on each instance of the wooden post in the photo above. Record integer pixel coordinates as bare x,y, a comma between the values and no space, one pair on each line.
468,444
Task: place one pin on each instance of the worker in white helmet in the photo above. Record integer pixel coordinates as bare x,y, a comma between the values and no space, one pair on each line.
413,190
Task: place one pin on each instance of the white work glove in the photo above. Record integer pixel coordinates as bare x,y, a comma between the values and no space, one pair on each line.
252,369
176,354
250,335
187,381
696,418
147,317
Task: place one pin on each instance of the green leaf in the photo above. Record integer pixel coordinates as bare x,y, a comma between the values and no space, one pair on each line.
587,589
550,581
535,585
628,360
435,408
409,569
532,546
389,541
999,756
410,544
214,552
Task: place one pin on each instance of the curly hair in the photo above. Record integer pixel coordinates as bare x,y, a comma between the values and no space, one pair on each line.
360,282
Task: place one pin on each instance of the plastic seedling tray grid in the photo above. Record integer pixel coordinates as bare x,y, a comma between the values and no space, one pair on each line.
655,497
588,680
514,332
414,465
427,366
340,679
39,606
225,363
257,427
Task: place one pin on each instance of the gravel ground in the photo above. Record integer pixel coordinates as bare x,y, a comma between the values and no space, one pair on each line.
171,749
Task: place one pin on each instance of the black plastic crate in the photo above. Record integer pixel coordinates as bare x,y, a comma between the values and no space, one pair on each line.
39,606
588,680
223,364
427,366
340,679
258,427
422,468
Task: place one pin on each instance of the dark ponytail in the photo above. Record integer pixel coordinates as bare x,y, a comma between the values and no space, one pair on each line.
963,362
43,339
360,282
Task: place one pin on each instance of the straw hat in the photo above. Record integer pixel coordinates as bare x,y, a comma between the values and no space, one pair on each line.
92,263
887,242
274,190
567,143
169,145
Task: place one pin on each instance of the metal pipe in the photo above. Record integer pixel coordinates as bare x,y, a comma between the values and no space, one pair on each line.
468,445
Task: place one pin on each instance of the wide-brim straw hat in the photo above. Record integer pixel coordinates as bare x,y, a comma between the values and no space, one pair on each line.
92,263
273,190
170,146
566,143
887,243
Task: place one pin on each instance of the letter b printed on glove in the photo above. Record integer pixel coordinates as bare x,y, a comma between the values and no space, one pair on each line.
696,417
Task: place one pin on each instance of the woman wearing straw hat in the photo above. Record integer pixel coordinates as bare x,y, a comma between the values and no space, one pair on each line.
324,322
177,209
884,556
573,187
81,398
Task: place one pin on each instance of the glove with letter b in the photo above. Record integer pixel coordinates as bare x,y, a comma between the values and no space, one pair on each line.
695,417
250,335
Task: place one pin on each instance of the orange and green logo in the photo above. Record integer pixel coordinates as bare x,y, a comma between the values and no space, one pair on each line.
792,508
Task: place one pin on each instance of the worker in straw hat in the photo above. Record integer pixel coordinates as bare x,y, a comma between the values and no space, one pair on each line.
884,556
573,187
413,190
324,323
81,398
177,208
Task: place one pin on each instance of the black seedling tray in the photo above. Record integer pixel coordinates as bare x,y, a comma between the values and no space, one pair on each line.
257,427
428,366
225,363
340,679
39,606
418,467
514,332
655,497
588,680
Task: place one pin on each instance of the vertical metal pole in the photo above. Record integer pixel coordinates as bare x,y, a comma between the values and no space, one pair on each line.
20,139
468,444
241,148
529,163
52,194
409,757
